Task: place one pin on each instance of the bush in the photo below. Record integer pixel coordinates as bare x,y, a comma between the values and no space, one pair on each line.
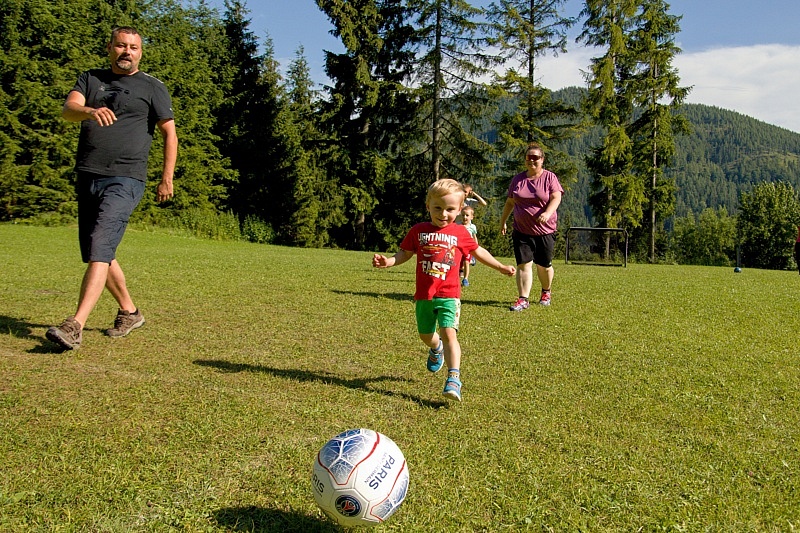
256,230
209,224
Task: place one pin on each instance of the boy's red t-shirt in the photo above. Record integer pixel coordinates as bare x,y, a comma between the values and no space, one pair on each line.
439,252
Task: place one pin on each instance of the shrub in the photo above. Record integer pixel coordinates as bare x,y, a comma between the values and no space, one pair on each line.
256,230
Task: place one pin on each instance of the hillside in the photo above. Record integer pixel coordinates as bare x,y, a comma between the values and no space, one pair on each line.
725,154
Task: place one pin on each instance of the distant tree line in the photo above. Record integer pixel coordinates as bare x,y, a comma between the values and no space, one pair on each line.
262,151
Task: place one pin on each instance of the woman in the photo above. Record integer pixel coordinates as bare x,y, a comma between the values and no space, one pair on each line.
533,197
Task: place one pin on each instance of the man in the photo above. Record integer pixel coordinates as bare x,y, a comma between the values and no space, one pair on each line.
119,109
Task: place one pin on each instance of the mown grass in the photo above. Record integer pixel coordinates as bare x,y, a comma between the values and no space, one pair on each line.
650,398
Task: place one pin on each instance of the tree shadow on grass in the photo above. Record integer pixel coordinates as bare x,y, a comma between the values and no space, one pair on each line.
18,328
22,329
321,377
399,296
408,297
263,520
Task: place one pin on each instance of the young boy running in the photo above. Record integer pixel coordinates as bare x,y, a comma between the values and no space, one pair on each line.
439,246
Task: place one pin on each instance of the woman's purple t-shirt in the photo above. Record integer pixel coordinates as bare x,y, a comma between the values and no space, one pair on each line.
530,198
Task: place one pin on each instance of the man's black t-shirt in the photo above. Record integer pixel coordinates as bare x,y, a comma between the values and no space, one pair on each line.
139,101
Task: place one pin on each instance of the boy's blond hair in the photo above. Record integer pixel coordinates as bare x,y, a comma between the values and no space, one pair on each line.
468,208
444,187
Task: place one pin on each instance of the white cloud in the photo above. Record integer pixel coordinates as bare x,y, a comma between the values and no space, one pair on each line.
759,81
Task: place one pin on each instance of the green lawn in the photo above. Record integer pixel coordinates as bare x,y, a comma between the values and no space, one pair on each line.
647,398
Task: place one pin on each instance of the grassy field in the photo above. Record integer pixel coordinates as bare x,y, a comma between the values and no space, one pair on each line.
647,398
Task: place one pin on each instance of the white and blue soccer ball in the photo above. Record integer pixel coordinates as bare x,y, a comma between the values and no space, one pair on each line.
360,478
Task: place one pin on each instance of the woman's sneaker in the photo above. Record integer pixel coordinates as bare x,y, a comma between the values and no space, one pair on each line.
452,389
68,335
545,298
520,305
125,323
436,358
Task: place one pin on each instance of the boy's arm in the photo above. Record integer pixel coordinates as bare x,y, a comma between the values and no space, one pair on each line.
483,255
478,197
381,261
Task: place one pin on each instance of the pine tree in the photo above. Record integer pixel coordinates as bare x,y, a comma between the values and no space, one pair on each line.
526,30
658,95
37,70
451,61
241,114
617,193
183,48
366,120
316,210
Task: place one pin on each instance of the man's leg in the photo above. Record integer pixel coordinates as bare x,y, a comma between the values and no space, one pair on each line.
70,333
94,280
115,283
128,317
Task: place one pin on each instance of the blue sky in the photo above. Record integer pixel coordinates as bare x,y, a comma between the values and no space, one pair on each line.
739,55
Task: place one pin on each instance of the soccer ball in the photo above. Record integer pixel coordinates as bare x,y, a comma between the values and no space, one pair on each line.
360,478
737,270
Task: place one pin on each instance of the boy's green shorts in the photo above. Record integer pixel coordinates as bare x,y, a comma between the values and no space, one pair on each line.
445,311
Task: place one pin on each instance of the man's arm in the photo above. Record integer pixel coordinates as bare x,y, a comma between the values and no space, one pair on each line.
76,110
164,191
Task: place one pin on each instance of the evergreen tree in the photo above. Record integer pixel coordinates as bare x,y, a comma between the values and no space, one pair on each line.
658,95
451,60
37,71
316,209
526,30
366,119
41,56
246,110
183,48
617,194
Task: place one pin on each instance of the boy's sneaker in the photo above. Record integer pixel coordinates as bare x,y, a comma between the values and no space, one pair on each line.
545,298
436,358
452,389
68,335
125,323
472,261
465,282
520,305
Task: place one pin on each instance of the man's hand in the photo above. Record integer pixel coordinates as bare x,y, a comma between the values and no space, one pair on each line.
164,191
103,116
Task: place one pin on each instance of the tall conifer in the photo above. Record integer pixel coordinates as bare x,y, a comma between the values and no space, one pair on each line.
526,30
658,96
617,193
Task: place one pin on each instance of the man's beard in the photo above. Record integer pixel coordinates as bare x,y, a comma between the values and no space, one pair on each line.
125,64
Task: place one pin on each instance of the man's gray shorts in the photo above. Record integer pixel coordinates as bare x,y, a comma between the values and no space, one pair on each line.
105,204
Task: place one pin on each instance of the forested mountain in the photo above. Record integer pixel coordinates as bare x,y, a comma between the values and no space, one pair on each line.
725,155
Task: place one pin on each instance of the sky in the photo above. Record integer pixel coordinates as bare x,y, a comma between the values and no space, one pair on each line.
738,55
